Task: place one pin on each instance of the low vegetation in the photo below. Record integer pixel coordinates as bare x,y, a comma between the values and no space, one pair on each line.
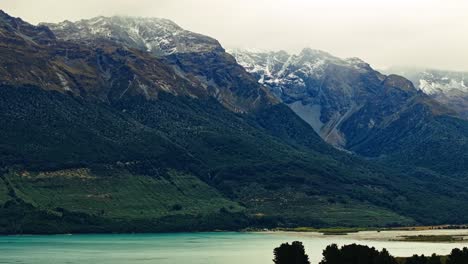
432,238
115,201
326,231
359,254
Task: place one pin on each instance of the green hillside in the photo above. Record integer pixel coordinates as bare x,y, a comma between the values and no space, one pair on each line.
88,200
179,163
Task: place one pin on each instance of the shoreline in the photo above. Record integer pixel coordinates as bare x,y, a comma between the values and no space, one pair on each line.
410,234
389,235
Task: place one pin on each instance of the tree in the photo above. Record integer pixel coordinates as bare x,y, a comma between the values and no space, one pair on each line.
356,254
458,256
291,254
385,258
415,259
434,259
331,255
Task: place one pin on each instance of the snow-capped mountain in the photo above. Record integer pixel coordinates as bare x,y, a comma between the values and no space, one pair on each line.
448,87
346,101
432,81
159,36
298,80
286,75
199,59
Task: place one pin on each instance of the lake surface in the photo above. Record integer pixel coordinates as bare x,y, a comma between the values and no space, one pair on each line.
195,248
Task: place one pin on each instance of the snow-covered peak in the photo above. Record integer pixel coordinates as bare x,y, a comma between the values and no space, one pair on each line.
159,36
433,82
357,63
263,62
280,68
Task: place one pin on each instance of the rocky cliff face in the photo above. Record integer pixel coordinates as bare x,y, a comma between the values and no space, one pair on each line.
355,107
327,91
196,58
159,36
107,71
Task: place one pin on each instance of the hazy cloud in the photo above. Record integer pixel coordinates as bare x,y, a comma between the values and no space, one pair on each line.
429,33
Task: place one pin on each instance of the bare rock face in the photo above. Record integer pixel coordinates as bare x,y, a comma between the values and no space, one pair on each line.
106,71
199,59
29,33
348,103
159,36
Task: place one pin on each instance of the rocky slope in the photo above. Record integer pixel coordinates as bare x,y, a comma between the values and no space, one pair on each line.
159,36
107,72
194,57
314,84
354,107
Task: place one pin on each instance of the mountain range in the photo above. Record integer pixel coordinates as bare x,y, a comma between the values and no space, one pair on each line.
123,124
356,108
447,87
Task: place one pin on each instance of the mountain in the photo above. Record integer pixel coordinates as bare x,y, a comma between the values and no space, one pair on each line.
446,87
159,36
107,72
306,83
356,108
99,135
194,57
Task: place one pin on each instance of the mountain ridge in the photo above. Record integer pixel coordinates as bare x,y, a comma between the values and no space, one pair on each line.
356,108
181,49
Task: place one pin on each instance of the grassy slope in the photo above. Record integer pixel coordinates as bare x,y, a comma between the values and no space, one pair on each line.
117,201
120,195
292,207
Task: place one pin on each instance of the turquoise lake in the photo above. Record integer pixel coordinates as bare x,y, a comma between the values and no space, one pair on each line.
190,248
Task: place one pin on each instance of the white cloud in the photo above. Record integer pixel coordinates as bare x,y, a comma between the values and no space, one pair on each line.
430,33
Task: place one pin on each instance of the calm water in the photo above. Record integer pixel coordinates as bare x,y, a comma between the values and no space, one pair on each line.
190,248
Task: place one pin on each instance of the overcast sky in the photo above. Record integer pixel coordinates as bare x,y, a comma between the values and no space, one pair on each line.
427,33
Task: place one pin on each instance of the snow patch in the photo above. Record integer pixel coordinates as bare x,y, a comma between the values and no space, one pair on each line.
63,81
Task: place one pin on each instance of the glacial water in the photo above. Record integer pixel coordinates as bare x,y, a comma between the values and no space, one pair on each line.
191,248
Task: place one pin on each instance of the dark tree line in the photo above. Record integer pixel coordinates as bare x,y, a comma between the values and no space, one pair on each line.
356,254
294,253
458,256
415,259
291,254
